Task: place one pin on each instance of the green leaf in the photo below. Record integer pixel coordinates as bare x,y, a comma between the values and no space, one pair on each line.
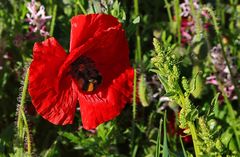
226,137
102,132
170,94
165,145
68,10
136,20
169,39
142,91
192,114
135,151
184,151
163,37
196,84
215,105
233,145
52,151
73,138
158,145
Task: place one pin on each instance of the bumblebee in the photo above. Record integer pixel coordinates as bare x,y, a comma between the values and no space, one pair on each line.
86,74
89,85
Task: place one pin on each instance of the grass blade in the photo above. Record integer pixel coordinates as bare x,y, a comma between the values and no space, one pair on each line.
158,145
165,145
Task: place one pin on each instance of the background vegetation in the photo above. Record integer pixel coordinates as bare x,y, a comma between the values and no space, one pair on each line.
186,101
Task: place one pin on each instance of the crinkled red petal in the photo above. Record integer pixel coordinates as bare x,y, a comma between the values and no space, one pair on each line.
56,104
84,27
108,49
108,102
101,38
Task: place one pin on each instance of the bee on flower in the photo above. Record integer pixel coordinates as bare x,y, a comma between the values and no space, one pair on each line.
96,74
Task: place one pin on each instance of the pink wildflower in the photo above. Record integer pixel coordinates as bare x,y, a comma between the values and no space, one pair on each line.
222,72
187,23
37,18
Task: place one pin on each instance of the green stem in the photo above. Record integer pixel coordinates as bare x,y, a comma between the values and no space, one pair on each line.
196,19
82,8
134,109
231,114
28,133
21,116
178,18
138,38
136,8
191,127
195,139
137,61
168,6
134,94
53,20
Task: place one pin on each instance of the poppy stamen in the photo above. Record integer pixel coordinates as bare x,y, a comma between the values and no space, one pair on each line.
85,73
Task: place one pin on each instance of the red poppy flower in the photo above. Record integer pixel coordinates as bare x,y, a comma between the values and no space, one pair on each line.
96,73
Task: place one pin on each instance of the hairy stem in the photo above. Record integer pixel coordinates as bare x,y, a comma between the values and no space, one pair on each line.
22,120
134,94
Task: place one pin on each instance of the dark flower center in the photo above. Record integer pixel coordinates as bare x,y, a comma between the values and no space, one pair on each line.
86,74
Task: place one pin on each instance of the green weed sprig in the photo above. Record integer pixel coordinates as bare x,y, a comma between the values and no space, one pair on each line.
165,66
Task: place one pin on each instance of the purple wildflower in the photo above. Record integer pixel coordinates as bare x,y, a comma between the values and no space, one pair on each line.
37,18
186,7
187,23
222,72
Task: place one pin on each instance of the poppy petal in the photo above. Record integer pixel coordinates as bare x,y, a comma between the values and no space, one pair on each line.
84,27
56,104
109,50
111,56
107,103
